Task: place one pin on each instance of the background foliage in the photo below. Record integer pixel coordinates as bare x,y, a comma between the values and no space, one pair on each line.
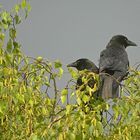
33,107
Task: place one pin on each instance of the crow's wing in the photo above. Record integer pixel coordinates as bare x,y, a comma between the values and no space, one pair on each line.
112,60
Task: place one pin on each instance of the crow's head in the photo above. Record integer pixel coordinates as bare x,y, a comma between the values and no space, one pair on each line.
84,63
122,40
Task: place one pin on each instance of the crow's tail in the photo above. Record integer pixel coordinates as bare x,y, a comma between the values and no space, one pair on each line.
109,88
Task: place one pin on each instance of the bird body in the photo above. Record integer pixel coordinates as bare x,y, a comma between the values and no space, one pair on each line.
86,83
114,58
113,66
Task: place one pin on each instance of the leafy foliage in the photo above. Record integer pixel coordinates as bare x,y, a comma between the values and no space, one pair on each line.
33,107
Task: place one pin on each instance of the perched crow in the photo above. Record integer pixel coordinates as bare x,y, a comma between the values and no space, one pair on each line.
86,64
82,64
113,66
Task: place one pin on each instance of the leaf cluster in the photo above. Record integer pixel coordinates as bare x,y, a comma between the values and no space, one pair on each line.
33,107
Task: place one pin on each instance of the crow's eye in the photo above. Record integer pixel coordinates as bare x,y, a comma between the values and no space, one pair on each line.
125,39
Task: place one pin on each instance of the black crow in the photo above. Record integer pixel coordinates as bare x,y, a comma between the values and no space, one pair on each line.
85,64
113,66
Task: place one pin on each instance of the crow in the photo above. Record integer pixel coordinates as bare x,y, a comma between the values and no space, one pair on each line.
113,66
84,64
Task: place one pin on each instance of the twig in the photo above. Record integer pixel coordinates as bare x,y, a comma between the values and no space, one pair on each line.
55,97
54,121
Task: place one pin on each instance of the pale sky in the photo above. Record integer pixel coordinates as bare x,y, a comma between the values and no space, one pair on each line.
71,29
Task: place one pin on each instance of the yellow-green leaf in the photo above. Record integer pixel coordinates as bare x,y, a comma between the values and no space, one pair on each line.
63,99
57,64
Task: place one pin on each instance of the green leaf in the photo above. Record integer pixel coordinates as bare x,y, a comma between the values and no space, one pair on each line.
72,94
60,72
47,82
64,92
25,59
107,106
12,33
5,16
1,111
17,8
63,99
16,46
72,136
73,73
44,111
9,46
29,7
39,58
17,19
34,137
31,102
57,64
9,58
23,4
85,98
79,101
2,36
99,126
68,109
20,98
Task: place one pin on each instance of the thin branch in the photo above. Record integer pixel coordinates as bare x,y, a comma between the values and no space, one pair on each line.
46,92
55,97
54,121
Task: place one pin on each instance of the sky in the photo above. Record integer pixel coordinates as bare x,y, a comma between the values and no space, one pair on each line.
71,29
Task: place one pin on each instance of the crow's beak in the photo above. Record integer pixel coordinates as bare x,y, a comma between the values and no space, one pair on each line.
74,64
130,43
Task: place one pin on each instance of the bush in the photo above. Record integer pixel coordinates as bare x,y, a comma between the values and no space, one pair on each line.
33,107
